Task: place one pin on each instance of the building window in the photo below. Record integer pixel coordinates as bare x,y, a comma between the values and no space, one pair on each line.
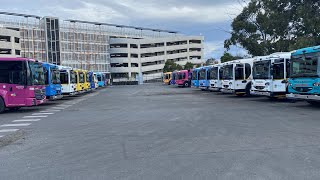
16,40
134,65
118,45
5,38
5,51
18,52
195,42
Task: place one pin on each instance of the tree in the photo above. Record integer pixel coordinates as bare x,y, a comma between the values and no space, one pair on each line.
268,26
210,61
189,65
171,66
228,57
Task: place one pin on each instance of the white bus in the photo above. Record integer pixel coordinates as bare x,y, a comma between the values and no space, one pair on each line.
237,77
270,75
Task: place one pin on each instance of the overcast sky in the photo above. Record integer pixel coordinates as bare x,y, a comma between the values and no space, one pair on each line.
210,18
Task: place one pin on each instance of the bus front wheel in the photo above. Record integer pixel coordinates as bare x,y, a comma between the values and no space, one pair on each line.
186,84
2,105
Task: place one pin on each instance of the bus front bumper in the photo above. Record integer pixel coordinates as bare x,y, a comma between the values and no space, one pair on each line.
305,97
260,93
60,96
227,91
214,89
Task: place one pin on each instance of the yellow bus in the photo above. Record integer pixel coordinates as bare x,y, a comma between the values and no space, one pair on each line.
80,80
167,78
87,86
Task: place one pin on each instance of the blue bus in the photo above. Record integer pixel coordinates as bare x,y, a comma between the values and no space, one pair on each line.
52,81
195,77
304,81
204,81
101,77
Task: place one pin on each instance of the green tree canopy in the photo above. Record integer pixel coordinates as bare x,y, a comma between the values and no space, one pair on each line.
228,57
267,26
188,65
171,66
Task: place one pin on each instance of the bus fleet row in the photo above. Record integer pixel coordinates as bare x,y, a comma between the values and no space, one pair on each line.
27,82
294,75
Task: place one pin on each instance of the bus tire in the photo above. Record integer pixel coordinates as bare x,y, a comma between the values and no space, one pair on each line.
186,84
2,105
248,88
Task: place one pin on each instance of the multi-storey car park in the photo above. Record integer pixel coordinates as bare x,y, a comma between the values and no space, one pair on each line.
124,51
9,42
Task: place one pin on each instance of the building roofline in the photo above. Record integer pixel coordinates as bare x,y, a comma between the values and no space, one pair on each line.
18,14
122,26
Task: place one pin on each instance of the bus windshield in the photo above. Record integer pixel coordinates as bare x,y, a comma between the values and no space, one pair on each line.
87,77
55,76
195,75
81,77
305,65
227,72
36,73
203,73
73,77
181,76
261,70
213,73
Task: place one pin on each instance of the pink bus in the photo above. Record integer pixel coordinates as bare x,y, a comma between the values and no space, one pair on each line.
183,78
21,83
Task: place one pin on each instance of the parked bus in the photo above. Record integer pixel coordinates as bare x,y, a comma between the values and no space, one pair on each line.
68,78
21,83
87,84
270,75
183,78
167,77
195,77
80,80
52,81
304,82
108,78
173,76
101,79
204,78
215,74
237,76
93,80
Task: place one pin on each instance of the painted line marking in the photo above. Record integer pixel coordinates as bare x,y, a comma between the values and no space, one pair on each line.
26,120
1,136
35,116
51,110
58,108
15,125
8,130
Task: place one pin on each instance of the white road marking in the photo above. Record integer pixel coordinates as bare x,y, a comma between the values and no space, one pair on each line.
51,110
8,130
58,108
1,136
35,116
26,120
15,125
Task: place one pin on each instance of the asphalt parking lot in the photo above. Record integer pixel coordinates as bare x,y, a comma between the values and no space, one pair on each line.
155,131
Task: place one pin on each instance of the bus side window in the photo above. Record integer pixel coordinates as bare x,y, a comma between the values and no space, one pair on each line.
248,70
288,67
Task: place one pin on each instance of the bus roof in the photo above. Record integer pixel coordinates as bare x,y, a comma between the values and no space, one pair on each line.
15,59
306,50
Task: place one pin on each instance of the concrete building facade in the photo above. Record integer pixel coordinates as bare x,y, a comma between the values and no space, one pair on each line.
132,57
10,42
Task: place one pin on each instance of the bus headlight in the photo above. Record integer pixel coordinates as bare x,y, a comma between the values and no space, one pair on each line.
267,84
316,84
